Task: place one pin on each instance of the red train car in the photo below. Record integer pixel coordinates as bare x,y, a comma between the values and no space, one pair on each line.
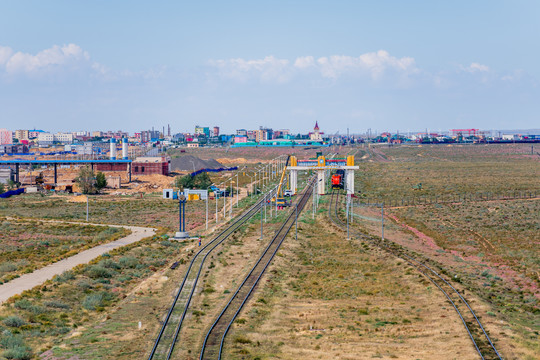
337,181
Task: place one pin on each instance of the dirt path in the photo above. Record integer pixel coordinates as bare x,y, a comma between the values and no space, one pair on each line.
38,277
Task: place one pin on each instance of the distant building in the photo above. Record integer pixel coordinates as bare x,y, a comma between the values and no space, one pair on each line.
46,139
97,134
64,138
263,134
151,165
216,131
33,134
251,134
5,137
21,135
281,134
13,149
316,134
238,139
199,130
241,132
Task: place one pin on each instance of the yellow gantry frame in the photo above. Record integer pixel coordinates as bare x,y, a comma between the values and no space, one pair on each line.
279,193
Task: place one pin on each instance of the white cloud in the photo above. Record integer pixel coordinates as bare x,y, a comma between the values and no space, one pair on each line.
304,62
373,64
475,68
66,55
5,54
267,69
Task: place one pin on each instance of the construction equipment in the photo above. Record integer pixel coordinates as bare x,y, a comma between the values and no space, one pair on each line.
279,199
39,179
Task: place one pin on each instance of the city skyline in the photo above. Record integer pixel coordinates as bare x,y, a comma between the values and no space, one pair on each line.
347,65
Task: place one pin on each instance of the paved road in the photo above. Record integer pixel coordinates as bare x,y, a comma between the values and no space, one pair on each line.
38,277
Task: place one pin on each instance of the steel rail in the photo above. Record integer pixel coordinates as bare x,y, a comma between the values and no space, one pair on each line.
205,251
410,260
221,326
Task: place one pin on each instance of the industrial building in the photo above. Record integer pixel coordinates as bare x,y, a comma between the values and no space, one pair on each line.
152,165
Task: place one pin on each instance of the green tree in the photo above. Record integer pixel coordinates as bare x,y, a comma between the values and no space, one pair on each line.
199,181
87,180
2,188
101,182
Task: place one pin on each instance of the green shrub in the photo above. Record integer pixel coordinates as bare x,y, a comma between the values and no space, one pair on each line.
242,340
128,262
97,271
92,301
65,276
8,340
56,304
36,309
22,304
18,353
109,264
7,267
14,321
85,284
97,300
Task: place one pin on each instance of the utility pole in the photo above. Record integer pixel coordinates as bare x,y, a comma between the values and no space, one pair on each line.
87,208
206,208
347,217
382,221
216,197
296,220
237,186
224,203
231,202
261,223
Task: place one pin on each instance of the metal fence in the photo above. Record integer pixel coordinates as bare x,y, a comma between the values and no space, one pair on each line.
448,198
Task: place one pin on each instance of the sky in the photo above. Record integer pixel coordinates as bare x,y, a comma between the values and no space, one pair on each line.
379,65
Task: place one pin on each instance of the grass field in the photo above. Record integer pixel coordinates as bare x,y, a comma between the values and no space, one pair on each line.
151,211
448,170
26,245
328,298
492,246
38,319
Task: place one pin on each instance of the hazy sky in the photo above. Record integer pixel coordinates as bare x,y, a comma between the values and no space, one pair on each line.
385,65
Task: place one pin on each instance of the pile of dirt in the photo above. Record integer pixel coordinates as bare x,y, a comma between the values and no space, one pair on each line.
193,163
235,161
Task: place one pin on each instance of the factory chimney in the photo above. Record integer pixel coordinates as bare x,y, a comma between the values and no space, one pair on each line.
113,149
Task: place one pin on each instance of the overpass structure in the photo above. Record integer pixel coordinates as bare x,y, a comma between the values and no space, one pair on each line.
17,163
322,166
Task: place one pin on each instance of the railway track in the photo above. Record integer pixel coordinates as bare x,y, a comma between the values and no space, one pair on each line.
213,342
168,335
478,335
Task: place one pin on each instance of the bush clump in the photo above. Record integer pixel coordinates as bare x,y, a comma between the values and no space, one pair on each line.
22,304
14,346
98,271
56,304
128,262
14,321
92,301
65,276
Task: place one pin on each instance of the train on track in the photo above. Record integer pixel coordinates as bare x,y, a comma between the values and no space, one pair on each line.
338,179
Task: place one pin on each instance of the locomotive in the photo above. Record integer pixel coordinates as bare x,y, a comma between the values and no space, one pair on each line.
337,179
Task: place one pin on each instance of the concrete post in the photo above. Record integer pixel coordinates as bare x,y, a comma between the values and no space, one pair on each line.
349,176
321,178
294,179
